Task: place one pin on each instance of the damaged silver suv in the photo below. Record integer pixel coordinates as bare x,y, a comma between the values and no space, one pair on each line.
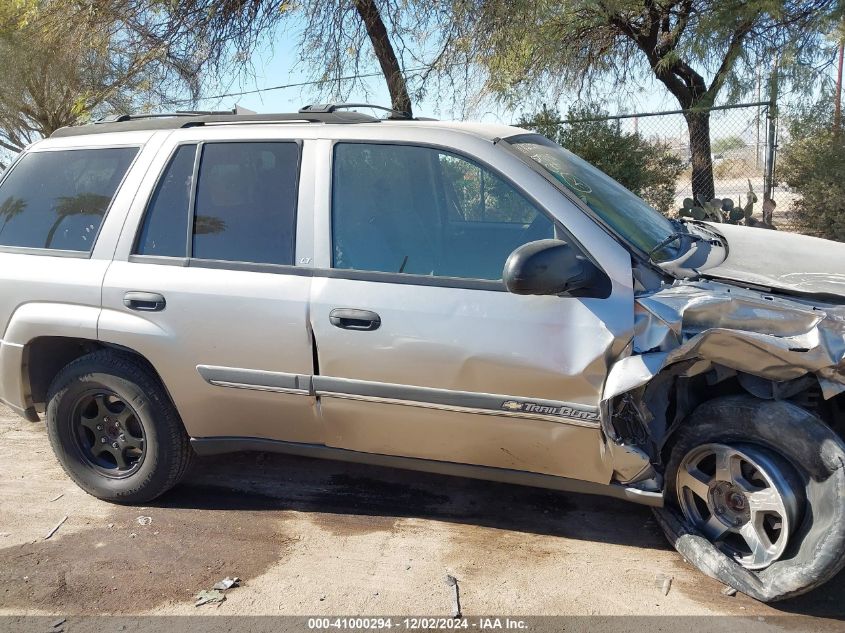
458,298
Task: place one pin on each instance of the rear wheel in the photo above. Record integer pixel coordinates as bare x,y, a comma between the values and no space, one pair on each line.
114,429
761,482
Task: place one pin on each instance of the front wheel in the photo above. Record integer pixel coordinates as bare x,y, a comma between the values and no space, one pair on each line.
759,483
114,430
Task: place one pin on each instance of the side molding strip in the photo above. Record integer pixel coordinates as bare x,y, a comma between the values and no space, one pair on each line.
403,395
256,379
460,401
221,445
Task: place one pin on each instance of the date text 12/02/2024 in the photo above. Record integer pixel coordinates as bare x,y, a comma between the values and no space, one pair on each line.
417,623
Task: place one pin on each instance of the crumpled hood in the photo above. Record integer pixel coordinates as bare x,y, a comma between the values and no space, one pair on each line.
791,263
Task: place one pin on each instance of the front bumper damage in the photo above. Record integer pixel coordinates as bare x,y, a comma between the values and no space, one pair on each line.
774,346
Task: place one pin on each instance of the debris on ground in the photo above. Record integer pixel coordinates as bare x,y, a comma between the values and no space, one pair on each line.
664,583
456,598
209,597
55,529
58,623
57,497
144,520
728,591
227,583
217,593
4,534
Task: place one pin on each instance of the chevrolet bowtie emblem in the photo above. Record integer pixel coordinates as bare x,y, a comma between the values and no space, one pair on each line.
512,405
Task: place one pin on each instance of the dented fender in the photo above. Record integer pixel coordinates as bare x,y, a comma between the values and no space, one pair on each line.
691,327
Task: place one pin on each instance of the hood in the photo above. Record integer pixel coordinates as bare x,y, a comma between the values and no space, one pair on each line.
788,262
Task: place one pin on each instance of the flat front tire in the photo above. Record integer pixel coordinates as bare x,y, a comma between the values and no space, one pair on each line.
761,481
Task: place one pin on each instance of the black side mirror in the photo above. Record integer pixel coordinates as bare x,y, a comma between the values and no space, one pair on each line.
551,267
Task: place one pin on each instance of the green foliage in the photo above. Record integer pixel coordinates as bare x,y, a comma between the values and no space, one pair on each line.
648,168
813,166
63,63
726,144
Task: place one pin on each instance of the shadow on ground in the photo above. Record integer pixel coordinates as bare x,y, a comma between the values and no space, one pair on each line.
345,491
228,517
336,489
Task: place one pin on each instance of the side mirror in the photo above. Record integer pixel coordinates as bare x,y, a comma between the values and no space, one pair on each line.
550,267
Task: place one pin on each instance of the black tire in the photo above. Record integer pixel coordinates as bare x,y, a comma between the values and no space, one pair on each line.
803,445
164,453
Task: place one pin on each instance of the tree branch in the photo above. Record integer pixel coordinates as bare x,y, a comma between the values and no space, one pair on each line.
377,32
734,50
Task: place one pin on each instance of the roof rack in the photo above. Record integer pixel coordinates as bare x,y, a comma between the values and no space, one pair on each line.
181,119
334,107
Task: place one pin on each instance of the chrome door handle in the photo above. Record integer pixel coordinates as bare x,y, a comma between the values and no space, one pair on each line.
144,301
354,319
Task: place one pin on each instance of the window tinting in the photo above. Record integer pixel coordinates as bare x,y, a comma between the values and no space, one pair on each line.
246,202
165,229
58,199
418,210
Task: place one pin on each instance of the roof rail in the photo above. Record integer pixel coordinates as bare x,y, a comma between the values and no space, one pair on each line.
122,118
334,107
176,120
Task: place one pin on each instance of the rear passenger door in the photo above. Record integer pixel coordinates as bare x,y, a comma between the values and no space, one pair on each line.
204,285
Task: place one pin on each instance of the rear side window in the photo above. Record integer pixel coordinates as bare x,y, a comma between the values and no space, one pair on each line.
165,230
245,204
58,199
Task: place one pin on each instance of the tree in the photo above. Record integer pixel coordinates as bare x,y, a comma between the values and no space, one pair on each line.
336,35
334,42
61,63
812,163
694,48
727,144
650,169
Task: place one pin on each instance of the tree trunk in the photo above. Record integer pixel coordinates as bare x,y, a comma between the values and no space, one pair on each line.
698,124
399,98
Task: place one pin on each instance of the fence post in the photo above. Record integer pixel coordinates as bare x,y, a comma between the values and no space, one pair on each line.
771,141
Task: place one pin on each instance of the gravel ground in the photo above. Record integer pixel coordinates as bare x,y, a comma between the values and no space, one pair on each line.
311,537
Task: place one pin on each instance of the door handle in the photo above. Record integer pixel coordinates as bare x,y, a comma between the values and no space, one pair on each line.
144,301
353,319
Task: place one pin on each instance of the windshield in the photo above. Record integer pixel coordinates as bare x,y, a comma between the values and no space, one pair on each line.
629,216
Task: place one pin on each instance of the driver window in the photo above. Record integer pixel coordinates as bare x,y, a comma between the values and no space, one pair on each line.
423,211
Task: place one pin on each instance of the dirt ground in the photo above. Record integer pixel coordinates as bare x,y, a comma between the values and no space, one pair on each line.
311,537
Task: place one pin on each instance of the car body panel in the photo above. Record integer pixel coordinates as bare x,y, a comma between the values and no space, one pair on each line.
787,262
460,377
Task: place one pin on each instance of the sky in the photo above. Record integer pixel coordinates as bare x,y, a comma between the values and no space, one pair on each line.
276,64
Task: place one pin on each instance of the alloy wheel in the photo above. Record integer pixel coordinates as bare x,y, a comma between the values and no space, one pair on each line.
742,498
109,433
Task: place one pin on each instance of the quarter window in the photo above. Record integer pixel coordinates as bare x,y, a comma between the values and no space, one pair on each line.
58,199
245,204
423,211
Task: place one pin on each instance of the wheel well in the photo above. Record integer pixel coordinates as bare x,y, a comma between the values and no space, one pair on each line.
650,415
46,356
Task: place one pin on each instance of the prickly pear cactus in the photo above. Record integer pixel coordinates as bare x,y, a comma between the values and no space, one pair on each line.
722,209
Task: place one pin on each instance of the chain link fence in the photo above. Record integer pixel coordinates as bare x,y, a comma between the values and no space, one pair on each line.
743,153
